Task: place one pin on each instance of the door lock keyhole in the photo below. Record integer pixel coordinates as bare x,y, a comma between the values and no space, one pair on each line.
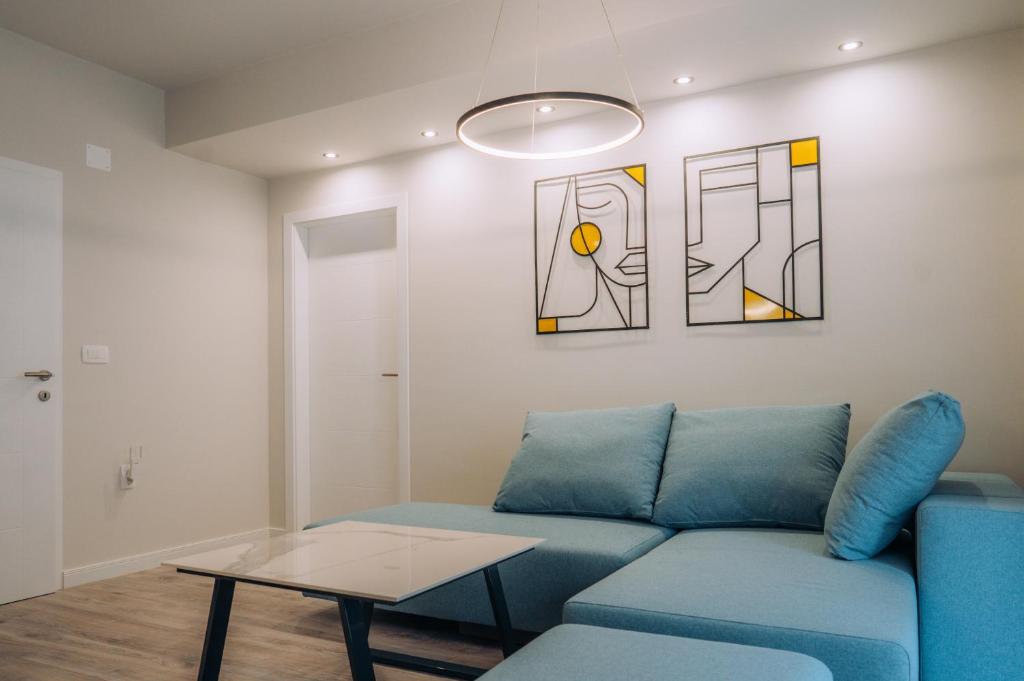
44,395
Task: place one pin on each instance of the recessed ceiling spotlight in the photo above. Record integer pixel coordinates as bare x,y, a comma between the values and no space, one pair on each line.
683,80
545,108
429,133
850,45
330,154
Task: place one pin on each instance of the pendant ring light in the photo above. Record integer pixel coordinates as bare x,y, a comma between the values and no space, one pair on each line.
600,101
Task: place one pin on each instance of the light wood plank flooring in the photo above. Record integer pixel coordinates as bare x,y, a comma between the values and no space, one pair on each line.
149,626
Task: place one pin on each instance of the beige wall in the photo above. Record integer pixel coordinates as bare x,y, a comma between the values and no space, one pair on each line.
165,261
923,178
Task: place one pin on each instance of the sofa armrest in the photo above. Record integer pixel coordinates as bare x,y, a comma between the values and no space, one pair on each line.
970,579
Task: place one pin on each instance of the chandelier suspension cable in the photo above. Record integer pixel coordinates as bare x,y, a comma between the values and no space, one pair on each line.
536,68
490,52
536,48
622,59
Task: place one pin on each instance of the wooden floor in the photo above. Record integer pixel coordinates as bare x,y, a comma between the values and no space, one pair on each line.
149,626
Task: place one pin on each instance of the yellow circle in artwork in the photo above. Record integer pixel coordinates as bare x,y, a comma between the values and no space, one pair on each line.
586,238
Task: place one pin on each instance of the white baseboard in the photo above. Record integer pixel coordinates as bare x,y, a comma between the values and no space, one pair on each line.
145,561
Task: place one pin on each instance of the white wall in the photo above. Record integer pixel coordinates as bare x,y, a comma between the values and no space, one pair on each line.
164,261
923,178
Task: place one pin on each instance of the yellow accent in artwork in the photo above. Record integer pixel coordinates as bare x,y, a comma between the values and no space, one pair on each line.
757,307
638,173
547,325
803,153
585,239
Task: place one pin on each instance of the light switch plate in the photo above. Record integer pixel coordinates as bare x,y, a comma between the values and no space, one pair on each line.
95,354
97,157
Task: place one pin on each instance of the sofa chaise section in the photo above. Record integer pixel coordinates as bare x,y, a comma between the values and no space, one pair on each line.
770,588
578,552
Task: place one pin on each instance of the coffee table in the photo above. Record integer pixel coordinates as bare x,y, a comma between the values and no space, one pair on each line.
361,565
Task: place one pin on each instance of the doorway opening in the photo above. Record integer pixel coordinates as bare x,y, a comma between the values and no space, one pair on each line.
346,359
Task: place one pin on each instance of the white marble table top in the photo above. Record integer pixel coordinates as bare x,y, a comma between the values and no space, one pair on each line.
383,563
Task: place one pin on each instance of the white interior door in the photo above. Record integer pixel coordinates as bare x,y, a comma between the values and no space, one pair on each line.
30,341
353,360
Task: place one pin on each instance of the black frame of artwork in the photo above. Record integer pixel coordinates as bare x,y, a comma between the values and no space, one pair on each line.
756,148
536,263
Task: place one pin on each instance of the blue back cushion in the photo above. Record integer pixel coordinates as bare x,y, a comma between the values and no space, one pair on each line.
596,463
752,467
890,472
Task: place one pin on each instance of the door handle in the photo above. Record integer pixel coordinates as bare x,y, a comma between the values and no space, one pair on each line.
42,375
389,374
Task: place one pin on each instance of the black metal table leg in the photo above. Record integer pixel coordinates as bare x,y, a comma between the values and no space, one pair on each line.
425,665
355,623
357,614
216,629
500,608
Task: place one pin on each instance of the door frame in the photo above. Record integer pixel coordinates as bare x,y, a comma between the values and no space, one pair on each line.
56,383
296,349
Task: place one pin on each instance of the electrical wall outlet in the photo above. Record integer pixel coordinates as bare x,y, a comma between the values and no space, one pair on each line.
126,481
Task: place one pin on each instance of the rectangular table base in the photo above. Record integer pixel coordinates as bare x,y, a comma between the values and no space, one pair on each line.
451,670
356,617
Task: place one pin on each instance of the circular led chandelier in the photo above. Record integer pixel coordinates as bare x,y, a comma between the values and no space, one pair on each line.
544,103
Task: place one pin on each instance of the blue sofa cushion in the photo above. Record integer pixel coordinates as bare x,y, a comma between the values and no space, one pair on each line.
595,463
889,472
578,552
754,467
771,588
573,652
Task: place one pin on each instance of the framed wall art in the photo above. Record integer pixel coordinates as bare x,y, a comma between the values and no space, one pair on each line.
590,250
753,234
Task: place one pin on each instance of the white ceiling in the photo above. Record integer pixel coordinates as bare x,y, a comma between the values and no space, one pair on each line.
283,81
171,43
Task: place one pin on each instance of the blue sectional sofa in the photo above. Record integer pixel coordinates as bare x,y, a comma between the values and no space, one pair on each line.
945,603
578,552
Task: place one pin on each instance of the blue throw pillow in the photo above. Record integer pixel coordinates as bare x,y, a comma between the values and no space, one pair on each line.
890,472
753,467
596,463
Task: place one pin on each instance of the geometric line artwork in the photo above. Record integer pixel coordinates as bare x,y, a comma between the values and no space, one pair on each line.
590,251
753,234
